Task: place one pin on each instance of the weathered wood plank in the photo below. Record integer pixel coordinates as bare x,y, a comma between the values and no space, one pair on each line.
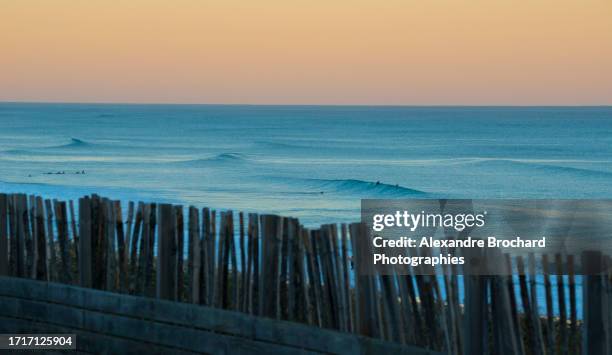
135,266
166,266
242,291
593,331
4,243
272,228
194,266
550,329
346,282
41,242
254,248
129,223
538,337
85,242
62,236
30,237
75,234
143,257
530,342
562,344
122,248
110,242
475,315
180,252
572,346
233,259
21,222
366,317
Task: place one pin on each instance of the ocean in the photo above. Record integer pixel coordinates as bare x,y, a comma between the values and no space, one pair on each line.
310,162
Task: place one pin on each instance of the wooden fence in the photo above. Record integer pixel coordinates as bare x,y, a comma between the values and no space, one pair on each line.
271,266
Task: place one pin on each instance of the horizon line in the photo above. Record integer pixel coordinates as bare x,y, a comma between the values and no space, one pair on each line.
293,104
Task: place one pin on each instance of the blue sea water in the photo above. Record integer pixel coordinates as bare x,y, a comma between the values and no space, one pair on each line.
310,162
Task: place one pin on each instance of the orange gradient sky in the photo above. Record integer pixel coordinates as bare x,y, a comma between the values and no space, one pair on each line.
407,52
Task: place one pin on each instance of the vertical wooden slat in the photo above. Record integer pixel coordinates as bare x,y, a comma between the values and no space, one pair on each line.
346,279
222,267
409,319
425,288
205,292
550,328
572,299
85,242
122,247
527,311
150,269
135,266
128,232
75,234
314,285
143,258
365,297
562,345
606,278
100,243
180,252
502,320
302,301
272,228
233,258
4,264
395,323
166,267
194,254
338,278
215,253
539,343
475,315
513,305
209,258
62,236
30,237
243,267
110,241
41,242
322,294
21,218
13,245
254,250
284,272
593,333
292,274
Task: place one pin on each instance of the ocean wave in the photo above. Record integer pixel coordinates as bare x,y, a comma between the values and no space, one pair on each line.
221,158
74,143
283,145
353,186
357,186
544,166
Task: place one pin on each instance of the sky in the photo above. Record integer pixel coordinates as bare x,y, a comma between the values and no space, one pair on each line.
367,52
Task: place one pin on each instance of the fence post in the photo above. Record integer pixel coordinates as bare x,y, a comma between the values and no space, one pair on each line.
3,235
85,252
272,228
166,265
41,242
594,336
194,254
